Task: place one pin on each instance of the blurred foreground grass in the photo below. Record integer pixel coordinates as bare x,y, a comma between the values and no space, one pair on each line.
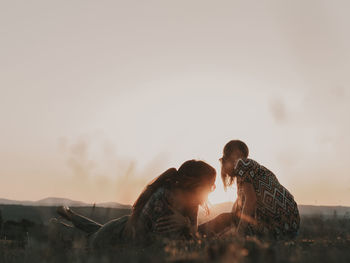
320,240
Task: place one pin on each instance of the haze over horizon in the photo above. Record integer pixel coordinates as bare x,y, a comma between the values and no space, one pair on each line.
98,98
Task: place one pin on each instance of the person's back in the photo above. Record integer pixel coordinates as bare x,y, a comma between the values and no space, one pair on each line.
174,192
276,211
158,206
144,227
264,207
113,232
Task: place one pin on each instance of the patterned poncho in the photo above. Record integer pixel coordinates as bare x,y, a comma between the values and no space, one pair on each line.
276,212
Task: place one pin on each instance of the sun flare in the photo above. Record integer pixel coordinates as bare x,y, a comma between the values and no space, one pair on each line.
222,196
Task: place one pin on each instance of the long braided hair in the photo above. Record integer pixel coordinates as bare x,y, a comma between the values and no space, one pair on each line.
191,174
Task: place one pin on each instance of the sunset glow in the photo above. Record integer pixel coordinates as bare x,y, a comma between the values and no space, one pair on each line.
98,99
220,196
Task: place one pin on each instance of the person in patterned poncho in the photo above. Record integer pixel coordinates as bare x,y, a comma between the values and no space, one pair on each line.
264,207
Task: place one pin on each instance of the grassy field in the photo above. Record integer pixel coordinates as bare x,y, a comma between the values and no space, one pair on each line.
321,239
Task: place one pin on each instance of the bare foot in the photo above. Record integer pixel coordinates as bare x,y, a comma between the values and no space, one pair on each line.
65,212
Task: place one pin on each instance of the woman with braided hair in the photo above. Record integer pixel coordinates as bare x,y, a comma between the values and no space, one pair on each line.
175,193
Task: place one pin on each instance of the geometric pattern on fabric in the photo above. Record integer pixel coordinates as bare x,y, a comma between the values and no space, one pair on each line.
276,212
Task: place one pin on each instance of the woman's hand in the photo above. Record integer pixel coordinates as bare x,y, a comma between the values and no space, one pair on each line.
174,222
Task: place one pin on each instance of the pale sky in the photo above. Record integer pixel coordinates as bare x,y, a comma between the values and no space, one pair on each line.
99,97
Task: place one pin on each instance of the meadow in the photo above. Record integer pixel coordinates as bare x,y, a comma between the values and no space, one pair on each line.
321,239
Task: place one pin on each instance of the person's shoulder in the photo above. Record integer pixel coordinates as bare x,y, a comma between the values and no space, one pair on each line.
244,166
246,163
155,197
157,202
163,196
249,160
160,193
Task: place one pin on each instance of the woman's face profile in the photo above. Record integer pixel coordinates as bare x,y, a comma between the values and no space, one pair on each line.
228,163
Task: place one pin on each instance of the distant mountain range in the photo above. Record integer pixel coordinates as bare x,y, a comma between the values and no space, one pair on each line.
56,201
215,209
41,211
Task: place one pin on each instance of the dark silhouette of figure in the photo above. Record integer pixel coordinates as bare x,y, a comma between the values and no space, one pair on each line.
176,192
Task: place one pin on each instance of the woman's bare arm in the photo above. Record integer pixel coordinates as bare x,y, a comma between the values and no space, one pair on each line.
249,207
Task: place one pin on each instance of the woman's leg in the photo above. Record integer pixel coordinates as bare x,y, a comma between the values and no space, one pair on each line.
111,234
81,222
